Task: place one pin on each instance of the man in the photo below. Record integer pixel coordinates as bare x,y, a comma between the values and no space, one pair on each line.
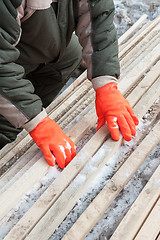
38,53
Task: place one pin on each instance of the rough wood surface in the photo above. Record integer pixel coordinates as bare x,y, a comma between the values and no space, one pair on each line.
139,211
98,206
140,36
151,226
132,29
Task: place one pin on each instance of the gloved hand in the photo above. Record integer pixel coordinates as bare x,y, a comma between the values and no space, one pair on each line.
113,108
51,139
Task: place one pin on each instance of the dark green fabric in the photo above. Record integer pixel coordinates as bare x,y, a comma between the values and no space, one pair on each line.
15,3
104,39
8,132
48,80
44,39
13,87
40,44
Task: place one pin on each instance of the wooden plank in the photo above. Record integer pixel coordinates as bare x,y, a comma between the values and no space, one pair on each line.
151,227
139,37
5,150
88,120
144,85
115,185
131,78
23,163
15,150
132,29
135,35
151,95
78,107
140,30
135,217
29,178
79,117
144,47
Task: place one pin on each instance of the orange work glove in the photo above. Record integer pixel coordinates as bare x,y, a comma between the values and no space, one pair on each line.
51,139
113,108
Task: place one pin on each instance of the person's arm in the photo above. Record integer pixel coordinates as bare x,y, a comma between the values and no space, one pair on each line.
98,37
18,103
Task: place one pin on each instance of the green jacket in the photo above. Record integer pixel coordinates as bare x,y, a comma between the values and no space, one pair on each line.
31,38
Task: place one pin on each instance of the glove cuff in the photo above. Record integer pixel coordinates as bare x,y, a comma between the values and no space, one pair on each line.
29,126
101,81
106,89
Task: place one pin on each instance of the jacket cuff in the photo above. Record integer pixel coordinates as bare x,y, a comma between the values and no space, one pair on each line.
99,82
29,126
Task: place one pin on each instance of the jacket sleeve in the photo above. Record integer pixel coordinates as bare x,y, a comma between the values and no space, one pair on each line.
18,103
98,37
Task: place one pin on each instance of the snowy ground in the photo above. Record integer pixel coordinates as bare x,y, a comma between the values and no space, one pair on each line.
129,11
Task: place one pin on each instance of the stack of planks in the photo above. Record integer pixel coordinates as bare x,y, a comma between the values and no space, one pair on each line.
22,164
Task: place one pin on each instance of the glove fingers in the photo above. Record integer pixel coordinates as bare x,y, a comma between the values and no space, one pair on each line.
69,150
135,119
113,127
60,155
73,148
68,156
131,124
131,112
101,122
48,155
124,127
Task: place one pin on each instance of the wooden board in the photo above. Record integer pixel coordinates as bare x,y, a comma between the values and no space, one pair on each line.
139,211
151,227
